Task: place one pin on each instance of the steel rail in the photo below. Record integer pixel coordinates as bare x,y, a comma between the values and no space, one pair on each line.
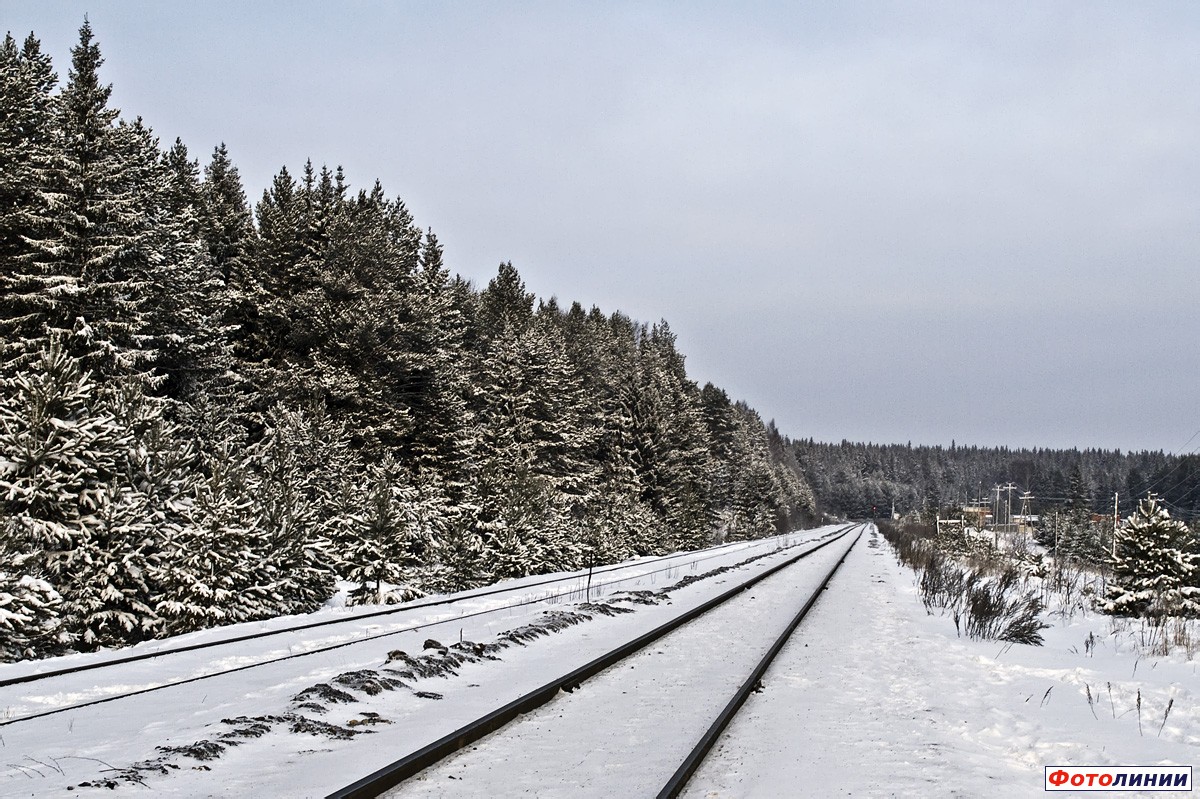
396,772
680,778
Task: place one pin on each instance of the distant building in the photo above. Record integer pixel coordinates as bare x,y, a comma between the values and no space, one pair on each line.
978,516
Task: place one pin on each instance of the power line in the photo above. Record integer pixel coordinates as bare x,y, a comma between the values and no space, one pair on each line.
1178,463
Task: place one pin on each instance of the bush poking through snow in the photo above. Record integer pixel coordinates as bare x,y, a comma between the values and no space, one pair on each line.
983,606
996,609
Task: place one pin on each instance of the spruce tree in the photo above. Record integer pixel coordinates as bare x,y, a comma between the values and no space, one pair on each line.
188,297
669,439
30,625
225,219
384,539
1155,566
106,242
61,449
295,571
533,443
78,505
443,432
31,284
207,576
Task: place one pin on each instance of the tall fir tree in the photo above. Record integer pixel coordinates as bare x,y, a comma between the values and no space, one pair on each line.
188,293
105,242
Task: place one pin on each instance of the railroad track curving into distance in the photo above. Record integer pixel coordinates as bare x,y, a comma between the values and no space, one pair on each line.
512,742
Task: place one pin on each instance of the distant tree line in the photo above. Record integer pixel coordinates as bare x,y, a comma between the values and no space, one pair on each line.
1149,551
210,412
849,479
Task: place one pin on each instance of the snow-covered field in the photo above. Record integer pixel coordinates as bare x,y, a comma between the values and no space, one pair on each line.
872,697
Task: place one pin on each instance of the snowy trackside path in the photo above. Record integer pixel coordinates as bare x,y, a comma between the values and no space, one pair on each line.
873,697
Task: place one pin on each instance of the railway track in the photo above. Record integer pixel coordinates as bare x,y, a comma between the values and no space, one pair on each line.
481,603
601,576
563,727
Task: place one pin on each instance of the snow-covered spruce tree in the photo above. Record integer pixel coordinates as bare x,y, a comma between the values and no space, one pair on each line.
442,436
122,571
208,569
1075,536
620,519
746,485
225,219
74,512
533,465
188,296
458,552
228,232
116,572
619,526
1155,567
383,540
109,591
60,449
29,622
28,152
670,439
726,450
295,571
1079,539
105,239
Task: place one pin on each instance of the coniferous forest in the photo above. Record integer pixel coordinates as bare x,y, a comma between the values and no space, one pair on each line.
212,411
853,479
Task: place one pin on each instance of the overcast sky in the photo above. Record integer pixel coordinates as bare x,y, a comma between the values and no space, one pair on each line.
885,221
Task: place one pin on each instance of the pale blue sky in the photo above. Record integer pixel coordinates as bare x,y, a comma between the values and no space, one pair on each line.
890,221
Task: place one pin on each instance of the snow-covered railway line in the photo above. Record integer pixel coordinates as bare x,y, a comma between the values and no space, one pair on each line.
30,691
690,675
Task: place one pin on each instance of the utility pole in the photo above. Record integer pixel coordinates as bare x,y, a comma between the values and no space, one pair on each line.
1026,499
1008,507
1116,521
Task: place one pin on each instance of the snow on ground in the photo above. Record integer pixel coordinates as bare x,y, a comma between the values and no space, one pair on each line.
874,697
